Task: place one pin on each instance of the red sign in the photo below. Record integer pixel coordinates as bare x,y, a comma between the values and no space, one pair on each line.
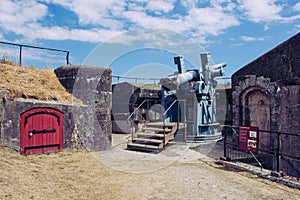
248,138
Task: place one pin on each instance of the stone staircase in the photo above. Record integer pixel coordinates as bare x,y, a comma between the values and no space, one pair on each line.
153,136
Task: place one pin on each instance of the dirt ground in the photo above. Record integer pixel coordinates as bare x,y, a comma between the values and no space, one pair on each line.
175,173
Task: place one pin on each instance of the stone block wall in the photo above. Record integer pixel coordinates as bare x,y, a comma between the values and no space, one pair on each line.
93,86
90,122
266,93
279,64
87,137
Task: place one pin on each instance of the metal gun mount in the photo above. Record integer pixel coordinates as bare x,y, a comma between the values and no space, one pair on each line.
190,97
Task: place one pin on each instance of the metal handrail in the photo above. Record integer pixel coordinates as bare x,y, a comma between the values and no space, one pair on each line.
146,100
163,114
176,100
164,123
170,107
138,108
36,47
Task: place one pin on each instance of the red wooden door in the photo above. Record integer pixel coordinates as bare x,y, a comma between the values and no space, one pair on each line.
41,130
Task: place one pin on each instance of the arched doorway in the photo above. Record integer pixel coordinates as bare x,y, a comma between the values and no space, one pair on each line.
41,130
256,112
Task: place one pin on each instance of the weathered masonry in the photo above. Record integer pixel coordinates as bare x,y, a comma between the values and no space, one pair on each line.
33,126
92,85
266,94
266,91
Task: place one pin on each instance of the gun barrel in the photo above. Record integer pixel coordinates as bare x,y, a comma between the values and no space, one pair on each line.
218,66
175,81
187,77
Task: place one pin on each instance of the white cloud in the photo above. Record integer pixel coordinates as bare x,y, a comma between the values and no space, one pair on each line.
23,18
95,12
210,20
142,20
164,6
17,14
105,19
237,44
189,3
297,6
60,33
251,39
261,10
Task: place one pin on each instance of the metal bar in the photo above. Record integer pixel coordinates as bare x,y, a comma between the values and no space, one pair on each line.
261,167
276,132
131,123
287,155
42,112
35,47
68,58
42,131
137,108
20,56
225,140
41,146
277,153
135,78
185,125
266,131
170,107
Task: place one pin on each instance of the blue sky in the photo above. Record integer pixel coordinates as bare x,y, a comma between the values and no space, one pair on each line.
234,31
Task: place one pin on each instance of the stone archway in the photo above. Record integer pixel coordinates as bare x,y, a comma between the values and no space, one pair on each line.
252,102
256,110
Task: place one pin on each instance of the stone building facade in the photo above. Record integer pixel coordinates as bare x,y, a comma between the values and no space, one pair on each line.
268,88
266,94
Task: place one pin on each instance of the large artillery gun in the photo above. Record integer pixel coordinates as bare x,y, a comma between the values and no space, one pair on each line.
190,98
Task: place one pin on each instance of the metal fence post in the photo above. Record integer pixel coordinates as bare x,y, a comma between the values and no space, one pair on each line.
225,138
277,153
20,56
36,47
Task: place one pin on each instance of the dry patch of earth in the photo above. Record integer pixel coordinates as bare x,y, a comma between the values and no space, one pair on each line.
175,173
31,83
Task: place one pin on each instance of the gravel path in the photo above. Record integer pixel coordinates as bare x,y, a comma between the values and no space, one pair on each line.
175,173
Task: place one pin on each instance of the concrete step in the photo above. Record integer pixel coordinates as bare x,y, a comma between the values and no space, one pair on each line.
161,124
167,130
147,140
143,147
142,134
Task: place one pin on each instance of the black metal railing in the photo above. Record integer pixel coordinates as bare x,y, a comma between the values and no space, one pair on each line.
120,79
21,46
163,113
277,151
131,115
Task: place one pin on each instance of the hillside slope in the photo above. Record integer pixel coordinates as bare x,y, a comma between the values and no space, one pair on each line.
31,83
